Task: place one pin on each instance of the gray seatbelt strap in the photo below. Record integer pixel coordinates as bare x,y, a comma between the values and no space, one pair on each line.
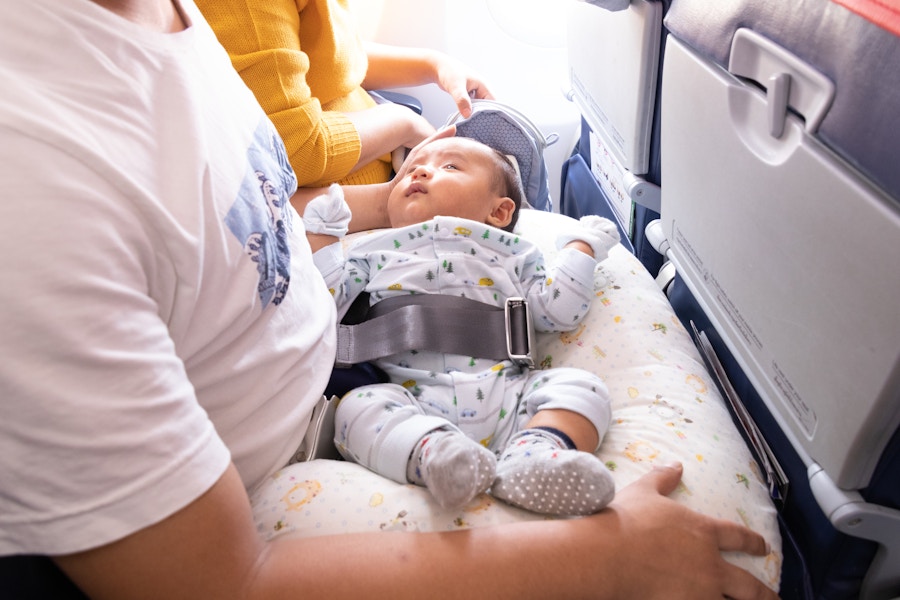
448,324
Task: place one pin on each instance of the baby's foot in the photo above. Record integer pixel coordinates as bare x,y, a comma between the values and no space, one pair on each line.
453,467
539,473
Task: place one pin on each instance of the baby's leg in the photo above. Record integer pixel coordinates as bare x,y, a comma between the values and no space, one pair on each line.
383,428
549,466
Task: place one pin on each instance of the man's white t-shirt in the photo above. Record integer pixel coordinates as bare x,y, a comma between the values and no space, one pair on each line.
160,311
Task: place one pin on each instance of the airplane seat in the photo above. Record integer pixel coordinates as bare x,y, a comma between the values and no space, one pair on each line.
745,221
31,577
614,59
781,208
838,42
410,102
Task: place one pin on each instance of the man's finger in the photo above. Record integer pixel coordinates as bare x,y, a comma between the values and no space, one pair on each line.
663,479
738,584
737,538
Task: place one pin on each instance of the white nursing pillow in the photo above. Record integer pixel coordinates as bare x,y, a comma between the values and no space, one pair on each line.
666,408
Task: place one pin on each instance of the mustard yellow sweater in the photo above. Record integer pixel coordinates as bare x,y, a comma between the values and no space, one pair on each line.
304,62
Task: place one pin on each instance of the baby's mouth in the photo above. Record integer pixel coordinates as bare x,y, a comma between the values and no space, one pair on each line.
415,188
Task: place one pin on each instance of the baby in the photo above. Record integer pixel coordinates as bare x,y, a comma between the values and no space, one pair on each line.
462,425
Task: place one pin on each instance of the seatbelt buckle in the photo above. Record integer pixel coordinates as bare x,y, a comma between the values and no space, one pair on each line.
519,332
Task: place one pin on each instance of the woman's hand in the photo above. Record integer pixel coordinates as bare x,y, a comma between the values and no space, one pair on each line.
456,79
402,170
395,66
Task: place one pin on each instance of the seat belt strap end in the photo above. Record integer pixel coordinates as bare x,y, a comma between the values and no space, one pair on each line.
519,332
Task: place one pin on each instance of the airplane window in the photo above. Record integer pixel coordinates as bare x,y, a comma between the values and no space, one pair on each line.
533,22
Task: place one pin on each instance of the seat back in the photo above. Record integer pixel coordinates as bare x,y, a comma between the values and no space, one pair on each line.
614,58
781,205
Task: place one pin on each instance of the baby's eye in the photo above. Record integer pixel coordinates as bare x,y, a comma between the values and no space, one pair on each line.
451,166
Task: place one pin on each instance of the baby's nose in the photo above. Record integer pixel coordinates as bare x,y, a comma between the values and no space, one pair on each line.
420,172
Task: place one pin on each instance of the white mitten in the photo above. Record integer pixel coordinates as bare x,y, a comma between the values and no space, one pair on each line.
599,233
328,214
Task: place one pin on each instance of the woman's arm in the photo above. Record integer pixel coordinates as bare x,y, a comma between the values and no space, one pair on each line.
262,40
395,66
385,128
644,546
368,203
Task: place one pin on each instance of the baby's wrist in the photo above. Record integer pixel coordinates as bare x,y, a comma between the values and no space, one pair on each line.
328,214
581,246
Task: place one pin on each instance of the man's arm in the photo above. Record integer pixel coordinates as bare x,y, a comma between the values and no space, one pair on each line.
643,546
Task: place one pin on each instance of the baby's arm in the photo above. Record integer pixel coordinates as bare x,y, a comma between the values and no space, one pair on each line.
561,299
345,278
582,247
326,219
595,237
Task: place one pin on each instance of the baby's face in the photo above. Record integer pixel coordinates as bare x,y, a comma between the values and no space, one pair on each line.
448,177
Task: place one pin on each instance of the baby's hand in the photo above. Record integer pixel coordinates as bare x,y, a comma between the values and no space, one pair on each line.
328,214
599,233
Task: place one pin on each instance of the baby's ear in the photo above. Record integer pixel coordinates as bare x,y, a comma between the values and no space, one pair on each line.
502,213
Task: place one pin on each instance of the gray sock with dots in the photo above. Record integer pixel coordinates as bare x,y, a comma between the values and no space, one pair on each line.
538,472
453,467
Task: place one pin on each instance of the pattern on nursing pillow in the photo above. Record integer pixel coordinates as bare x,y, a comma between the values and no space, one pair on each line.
666,407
